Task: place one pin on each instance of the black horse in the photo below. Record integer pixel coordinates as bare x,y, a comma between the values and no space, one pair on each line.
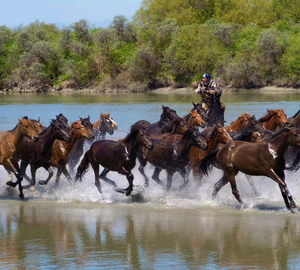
119,156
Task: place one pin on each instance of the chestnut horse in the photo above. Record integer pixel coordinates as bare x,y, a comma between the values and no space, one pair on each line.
265,158
239,123
274,119
194,119
119,156
61,150
104,125
9,145
171,156
217,136
38,153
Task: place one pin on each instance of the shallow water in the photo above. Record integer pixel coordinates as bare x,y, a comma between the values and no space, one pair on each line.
75,227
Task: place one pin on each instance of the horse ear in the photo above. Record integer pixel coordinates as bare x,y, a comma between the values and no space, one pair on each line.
39,120
190,112
195,106
80,118
101,115
162,106
241,114
89,117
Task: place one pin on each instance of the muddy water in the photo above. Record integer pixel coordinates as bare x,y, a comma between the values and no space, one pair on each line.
74,227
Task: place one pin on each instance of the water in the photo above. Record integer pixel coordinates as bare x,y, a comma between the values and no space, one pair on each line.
75,227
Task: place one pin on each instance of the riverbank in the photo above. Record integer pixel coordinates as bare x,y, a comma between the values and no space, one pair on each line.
163,90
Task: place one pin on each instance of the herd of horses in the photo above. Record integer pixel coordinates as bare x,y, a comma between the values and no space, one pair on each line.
264,147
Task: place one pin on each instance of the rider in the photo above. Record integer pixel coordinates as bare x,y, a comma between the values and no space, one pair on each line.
206,88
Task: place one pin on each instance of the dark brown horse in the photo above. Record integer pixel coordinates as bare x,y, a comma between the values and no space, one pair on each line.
9,145
171,156
61,150
265,158
38,153
63,120
119,156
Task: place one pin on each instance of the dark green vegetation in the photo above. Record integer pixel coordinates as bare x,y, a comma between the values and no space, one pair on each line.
243,43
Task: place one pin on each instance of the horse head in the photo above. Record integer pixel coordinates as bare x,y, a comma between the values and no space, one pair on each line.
79,131
195,138
60,132
63,120
106,125
196,119
27,129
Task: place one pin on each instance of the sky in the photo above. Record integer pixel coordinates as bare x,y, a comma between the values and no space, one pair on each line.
16,12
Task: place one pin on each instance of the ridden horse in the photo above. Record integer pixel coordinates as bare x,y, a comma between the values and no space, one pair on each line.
265,158
104,125
119,156
218,135
239,123
194,119
9,145
171,156
60,151
38,153
274,119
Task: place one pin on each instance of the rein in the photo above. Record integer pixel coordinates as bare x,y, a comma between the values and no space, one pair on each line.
183,97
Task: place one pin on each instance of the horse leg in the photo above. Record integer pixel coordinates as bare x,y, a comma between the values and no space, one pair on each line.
58,174
250,180
185,179
95,167
169,180
143,163
155,176
279,177
67,175
197,175
50,171
103,177
221,183
14,167
231,177
130,178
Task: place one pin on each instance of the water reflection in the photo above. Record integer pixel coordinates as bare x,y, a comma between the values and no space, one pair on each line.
39,234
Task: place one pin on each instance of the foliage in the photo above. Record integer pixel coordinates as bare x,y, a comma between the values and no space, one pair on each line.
243,43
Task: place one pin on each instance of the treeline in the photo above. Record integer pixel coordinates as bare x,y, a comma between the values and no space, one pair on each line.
243,43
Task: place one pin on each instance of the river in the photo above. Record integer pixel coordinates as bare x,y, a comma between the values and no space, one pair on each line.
75,227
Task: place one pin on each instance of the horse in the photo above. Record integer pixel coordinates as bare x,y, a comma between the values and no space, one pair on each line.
61,150
38,153
194,119
239,123
63,120
166,117
217,136
274,119
171,156
9,144
265,158
119,156
104,125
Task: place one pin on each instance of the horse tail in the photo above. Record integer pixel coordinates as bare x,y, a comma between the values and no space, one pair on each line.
208,161
82,169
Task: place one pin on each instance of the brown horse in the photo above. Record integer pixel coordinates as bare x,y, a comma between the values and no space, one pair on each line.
217,136
171,156
119,156
100,132
274,119
194,119
239,123
61,150
38,153
9,144
265,158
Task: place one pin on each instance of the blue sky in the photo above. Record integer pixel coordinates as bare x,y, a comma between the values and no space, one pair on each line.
16,12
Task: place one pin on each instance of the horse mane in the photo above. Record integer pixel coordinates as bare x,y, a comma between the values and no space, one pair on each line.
277,133
296,114
25,117
268,116
135,128
188,133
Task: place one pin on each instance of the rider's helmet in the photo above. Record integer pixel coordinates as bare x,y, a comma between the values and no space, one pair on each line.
206,75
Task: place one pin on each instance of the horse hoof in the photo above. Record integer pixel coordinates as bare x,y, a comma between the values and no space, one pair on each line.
21,196
293,205
120,190
42,182
11,184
